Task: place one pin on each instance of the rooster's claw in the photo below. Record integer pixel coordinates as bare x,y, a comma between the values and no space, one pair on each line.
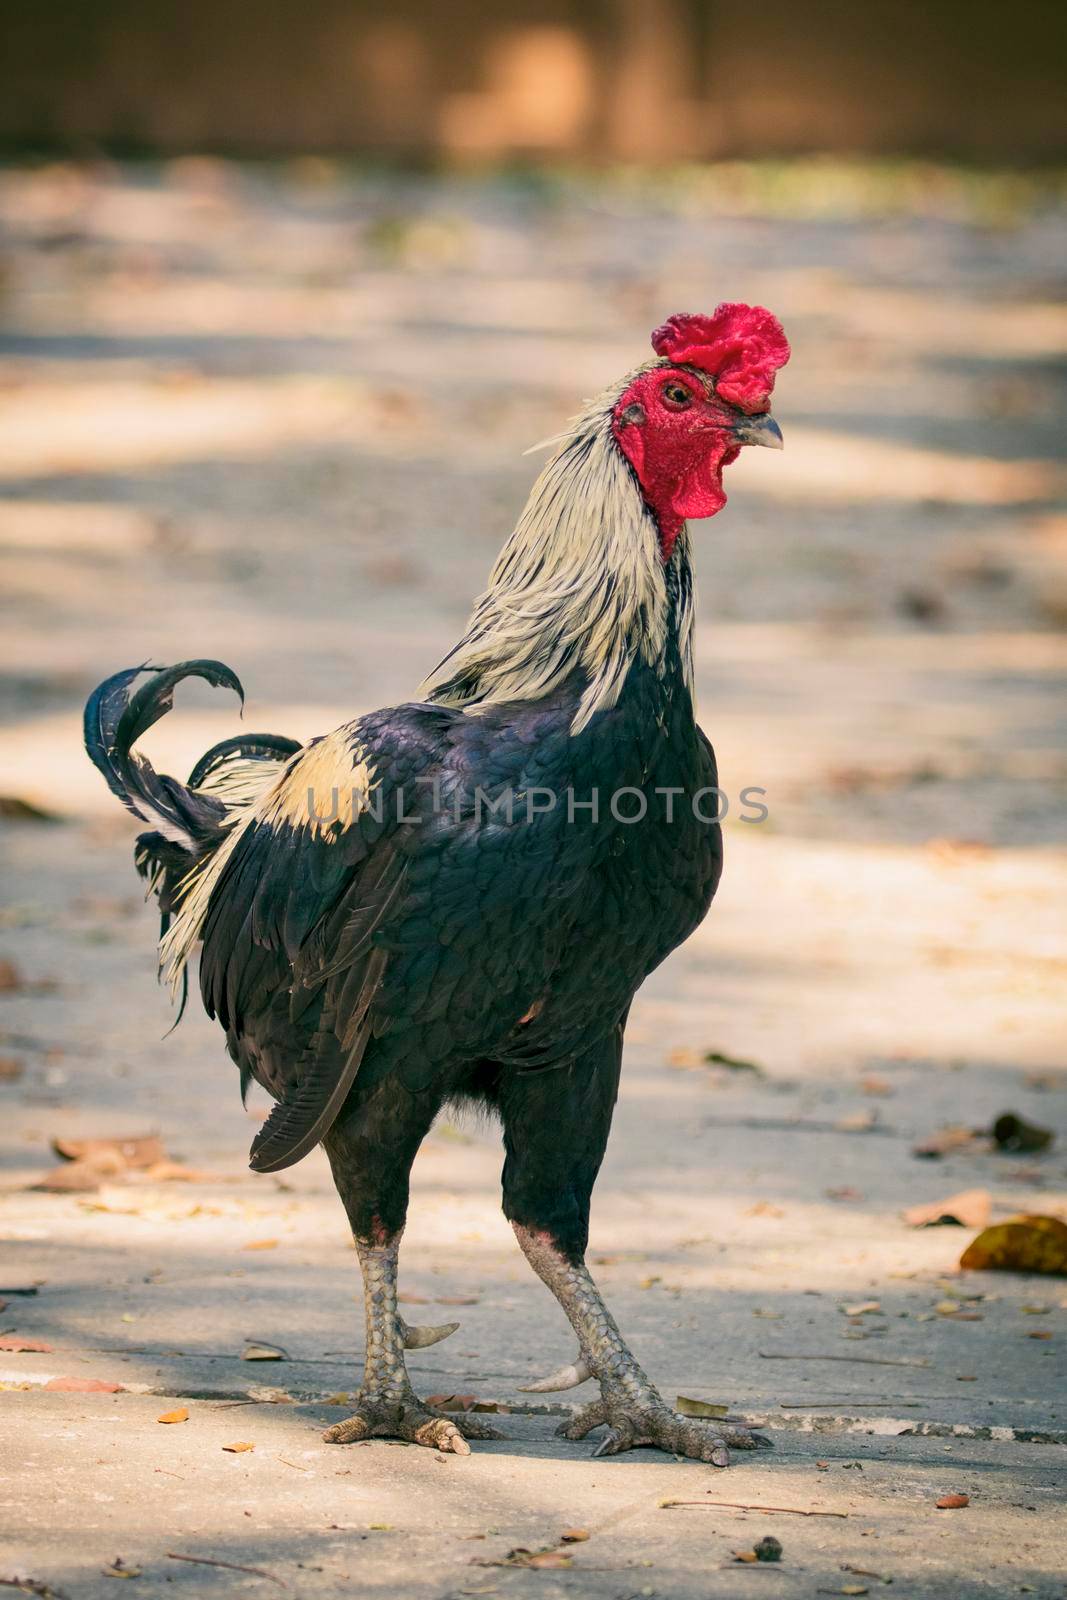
661,1429
412,1421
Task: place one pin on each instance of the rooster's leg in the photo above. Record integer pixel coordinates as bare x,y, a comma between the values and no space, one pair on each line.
555,1130
387,1406
371,1153
630,1406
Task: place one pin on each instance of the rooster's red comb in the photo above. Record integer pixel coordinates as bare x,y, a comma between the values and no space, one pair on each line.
741,346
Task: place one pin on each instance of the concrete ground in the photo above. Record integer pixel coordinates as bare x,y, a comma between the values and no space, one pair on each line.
278,418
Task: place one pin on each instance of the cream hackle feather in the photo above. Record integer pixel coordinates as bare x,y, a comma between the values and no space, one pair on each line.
579,584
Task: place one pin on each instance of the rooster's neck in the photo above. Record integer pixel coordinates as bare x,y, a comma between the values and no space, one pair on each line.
586,585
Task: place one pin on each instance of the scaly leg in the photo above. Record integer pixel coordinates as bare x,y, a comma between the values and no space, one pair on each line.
556,1127
371,1149
387,1406
631,1408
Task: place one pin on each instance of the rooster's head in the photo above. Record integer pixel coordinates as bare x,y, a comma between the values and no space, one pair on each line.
680,421
596,573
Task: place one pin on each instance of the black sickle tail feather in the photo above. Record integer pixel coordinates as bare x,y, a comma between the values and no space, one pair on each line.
115,719
246,747
188,820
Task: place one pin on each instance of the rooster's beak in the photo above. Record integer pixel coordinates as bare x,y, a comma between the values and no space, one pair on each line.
759,430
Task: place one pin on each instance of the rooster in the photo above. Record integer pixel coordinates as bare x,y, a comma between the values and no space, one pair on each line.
455,900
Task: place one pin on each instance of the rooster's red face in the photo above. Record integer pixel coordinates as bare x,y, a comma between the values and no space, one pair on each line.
681,423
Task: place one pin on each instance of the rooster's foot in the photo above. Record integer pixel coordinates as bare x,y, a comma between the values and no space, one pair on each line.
631,1427
386,1417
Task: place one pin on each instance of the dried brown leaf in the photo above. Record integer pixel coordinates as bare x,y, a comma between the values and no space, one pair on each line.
865,1572
140,1151
1014,1133
179,1414
944,1142
256,1350
15,1343
953,1502
1024,1244
521,1557
971,1208
699,1408
78,1177
260,1244
92,1161
236,1449
119,1569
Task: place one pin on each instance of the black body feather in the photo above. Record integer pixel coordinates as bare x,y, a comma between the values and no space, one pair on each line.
423,946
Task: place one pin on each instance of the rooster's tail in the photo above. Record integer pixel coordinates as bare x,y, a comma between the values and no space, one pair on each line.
187,821
115,718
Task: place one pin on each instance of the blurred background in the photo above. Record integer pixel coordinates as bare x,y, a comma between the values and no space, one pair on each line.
285,293
599,80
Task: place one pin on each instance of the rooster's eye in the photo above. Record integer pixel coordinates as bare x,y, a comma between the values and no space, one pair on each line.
676,396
